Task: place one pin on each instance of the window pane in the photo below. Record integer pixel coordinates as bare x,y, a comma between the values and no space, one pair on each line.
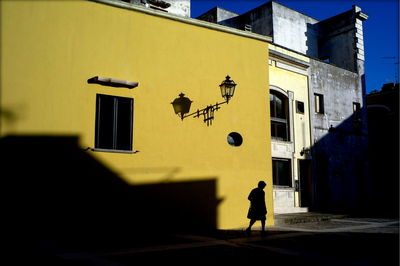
124,123
282,172
104,121
279,115
272,105
280,108
273,130
279,130
278,105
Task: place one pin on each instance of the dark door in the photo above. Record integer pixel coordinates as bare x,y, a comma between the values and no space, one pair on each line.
305,183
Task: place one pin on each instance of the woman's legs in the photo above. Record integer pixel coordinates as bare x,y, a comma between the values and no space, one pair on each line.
252,221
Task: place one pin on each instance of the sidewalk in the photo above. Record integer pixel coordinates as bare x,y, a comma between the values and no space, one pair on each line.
305,217
336,223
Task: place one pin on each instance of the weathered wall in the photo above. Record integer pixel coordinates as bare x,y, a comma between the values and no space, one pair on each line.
294,30
339,147
338,39
342,41
340,89
260,20
217,15
177,7
287,27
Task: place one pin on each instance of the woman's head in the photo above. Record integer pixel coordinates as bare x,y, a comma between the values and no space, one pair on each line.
262,184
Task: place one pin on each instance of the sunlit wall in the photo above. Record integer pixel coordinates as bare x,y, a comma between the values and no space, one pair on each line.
51,48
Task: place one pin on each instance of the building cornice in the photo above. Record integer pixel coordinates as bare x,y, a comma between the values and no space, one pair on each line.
289,59
191,21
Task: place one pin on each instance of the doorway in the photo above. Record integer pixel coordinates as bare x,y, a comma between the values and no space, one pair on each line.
305,183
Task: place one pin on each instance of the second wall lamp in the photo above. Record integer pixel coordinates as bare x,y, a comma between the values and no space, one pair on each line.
182,104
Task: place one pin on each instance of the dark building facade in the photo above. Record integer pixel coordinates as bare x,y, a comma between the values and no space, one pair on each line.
383,123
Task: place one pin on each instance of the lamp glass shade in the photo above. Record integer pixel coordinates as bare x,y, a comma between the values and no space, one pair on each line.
227,88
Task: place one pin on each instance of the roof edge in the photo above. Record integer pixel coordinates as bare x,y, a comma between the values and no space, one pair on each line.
191,21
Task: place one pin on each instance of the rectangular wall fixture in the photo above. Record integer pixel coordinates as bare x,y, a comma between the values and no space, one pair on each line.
113,82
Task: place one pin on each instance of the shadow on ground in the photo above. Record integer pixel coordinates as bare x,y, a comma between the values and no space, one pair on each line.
55,194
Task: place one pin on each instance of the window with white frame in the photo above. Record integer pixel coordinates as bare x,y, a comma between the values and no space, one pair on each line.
319,103
279,112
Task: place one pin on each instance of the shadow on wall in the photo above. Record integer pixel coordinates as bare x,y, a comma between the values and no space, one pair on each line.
312,43
55,190
342,182
356,172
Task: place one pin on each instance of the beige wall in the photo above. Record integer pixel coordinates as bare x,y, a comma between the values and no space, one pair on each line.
290,78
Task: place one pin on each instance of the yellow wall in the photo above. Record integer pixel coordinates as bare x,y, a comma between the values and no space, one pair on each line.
51,48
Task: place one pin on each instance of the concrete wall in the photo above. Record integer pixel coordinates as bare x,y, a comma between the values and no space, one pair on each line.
217,15
340,89
177,7
339,145
260,20
286,26
294,30
338,39
341,39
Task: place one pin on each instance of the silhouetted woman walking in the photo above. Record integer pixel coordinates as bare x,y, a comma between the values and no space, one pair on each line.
257,210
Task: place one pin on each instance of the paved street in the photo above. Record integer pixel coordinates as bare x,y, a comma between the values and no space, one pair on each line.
347,241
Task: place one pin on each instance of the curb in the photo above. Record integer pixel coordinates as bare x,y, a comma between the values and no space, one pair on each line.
295,218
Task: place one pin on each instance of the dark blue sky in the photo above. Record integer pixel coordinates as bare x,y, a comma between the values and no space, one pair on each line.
381,30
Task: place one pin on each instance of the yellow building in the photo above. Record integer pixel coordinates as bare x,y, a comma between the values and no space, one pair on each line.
290,130
124,126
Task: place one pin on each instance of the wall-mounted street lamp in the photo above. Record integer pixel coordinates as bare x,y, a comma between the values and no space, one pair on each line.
305,151
182,104
227,88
